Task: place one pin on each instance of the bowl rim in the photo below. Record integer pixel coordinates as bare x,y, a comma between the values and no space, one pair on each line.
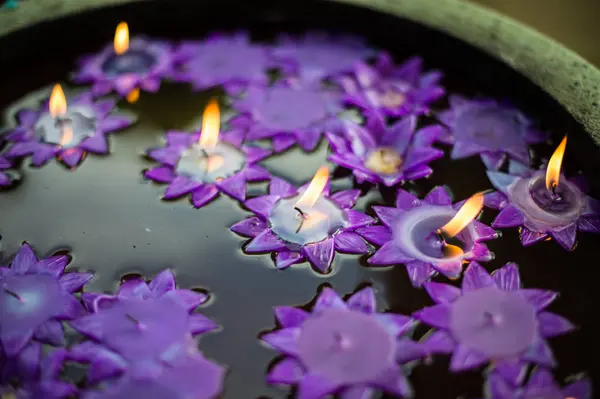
566,76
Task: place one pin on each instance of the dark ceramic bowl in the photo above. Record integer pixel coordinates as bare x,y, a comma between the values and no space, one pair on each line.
114,223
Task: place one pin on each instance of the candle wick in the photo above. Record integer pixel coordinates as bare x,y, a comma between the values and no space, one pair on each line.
12,293
302,218
133,319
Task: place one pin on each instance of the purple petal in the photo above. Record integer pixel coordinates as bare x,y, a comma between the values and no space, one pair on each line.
510,216
27,117
256,173
493,160
288,371
589,223
320,254
24,260
284,340
181,186
72,282
345,199
96,144
484,232
200,324
285,259
281,188
511,371
13,344
262,205
289,316
234,186
465,359
501,181
566,237
498,388
357,219
539,298
394,382
357,392
189,299
282,142
551,325
442,293
134,288
22,149
495,200
420,156
540,353
256,154
350,243
265,242
179,139
405,200
113,123
72,156
204,194
419,272
439,342
28,361
313,386
377,235
438,196
507,277
328,299
529,237
162,282
250,227
387,215
363,301
396,324
53,265
418,172
51,332
71,309
476,277
436,316
389,254
161,174
408,350
581,389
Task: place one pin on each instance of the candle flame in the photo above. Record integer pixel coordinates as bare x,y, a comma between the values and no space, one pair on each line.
133,96
211,121
315,188
452,251
67,135
121,43
464,216
553,170
58,102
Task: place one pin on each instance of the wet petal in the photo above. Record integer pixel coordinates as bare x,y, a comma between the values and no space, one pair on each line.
551,325
234,186
495,200
284,340
405,200
566,237
285,259
435,316
345,199
53,265
357,219
484,232
24,260
180,186
288,371
161,174
262,205
389,254
363,301
162,282
378,235
442,293
134,288
350,243
328,299
51,332
265,242
510,216
200,324
250,227
476,277
204,194
507,277
419,272
387,215
529,237
72,282
465,359
438,196
320,254
539,298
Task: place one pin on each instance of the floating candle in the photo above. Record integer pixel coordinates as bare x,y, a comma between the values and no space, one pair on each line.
66,131
304,224
229,61
381,154
204,164
125,66
342,347
489,129
412,234
392,90
35,296
544,203
492,319
266,113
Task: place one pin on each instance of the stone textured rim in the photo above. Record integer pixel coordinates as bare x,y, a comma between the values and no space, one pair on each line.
570,79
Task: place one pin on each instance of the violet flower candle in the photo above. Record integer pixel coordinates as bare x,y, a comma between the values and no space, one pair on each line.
342,347
304,224
412,235
35,296
544,203
65,132
495,132
491,319
204,165
126,67
388,155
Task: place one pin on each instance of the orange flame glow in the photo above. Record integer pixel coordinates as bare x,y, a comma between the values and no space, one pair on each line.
211,121
464,216
315,188
452,251
133,96
553,170
58,102
67,135
121,38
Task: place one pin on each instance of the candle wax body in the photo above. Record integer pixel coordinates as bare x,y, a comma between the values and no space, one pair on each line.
131,61
495,130
209,165
542,211
67,130
327,219
345,346
415,233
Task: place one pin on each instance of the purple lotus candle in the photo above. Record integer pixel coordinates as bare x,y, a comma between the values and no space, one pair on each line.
304,224
544,203
392,90
65,132
126,66
142,328
414,233
204,165
491,319
35,297
342,347
489,129
381,154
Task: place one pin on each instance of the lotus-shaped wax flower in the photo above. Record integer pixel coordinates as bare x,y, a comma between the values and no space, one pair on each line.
524,201
189,168
140,330
35,296
492,319
141,65
342,347
409,235
394,90
67,132
298,232
5,178
319,55
289,114
191,376
380,154
221,60
487,128
540,385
